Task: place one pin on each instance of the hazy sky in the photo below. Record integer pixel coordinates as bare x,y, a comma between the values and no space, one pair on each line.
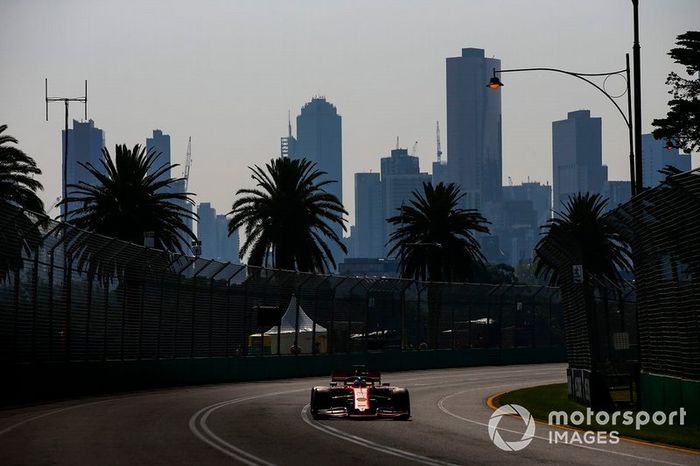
226,72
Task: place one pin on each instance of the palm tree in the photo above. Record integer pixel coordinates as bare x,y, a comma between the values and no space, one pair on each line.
17,170
584,236
288,217
127,200
435,241
435,238
18,233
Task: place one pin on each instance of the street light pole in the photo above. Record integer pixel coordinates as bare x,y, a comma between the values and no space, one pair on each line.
637,98
635,165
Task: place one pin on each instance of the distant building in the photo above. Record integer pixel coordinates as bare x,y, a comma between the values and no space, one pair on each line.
206,230
227,247
212,231
179,187
617,192
401,177
441,173
319,139
369,267
288,144
160,143
399,190
539,194
399,163
577,157
474,128
85,143
655,157
521,231
368,232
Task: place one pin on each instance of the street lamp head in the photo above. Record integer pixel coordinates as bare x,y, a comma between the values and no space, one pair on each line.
494,83
669,145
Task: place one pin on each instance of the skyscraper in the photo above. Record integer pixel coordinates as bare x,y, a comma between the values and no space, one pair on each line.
85,143
401,177
288,143
616,192
368,232
577,158
655,157
227,246
160,143
539,194
212,231
319,139
206,230
474,128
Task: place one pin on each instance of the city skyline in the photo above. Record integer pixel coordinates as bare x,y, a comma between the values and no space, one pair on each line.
155,79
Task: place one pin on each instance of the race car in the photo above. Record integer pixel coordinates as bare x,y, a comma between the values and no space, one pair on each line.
359,393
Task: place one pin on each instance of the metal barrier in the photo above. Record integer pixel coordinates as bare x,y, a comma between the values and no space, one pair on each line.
67,295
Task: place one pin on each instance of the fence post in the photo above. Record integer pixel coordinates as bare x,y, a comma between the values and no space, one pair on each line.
194,304
228,314
67,282
402,316
296,327
35,297
533,335
331,339
211,300
91,276
50,279
313,328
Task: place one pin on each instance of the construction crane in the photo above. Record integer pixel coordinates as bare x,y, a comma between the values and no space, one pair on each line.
188,163
413,151
437,137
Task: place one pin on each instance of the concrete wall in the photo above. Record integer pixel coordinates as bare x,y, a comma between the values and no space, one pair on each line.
35,382
666,393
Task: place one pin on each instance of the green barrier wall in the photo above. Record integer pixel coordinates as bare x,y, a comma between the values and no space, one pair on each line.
35,382
666,393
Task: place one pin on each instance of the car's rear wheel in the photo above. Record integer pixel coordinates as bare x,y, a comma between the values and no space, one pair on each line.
402,402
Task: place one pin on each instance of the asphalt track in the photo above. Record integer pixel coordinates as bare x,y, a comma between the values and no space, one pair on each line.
266,423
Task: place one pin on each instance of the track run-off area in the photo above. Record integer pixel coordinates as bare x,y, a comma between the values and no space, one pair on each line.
268,423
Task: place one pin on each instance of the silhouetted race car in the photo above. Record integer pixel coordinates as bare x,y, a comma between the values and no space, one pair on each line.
359,393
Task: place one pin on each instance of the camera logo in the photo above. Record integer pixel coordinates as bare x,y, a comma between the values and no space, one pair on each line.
511,409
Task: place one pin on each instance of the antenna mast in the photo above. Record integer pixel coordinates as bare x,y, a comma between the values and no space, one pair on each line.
188,163
437,136
66,101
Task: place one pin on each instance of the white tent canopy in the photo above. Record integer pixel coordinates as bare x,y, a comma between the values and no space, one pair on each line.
289,321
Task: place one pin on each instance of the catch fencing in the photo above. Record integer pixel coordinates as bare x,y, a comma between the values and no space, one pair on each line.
70,296
662,226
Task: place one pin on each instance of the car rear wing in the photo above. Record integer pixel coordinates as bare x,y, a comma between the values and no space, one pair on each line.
370,376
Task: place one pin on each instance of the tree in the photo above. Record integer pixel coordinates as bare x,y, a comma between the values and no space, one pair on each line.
586,237
19,234
288,217
435,238
681,127
127,201
17,171
497,274
435,241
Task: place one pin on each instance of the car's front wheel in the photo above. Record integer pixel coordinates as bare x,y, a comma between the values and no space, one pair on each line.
402,402
320,399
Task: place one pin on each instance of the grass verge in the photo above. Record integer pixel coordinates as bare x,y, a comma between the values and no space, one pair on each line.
545,398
